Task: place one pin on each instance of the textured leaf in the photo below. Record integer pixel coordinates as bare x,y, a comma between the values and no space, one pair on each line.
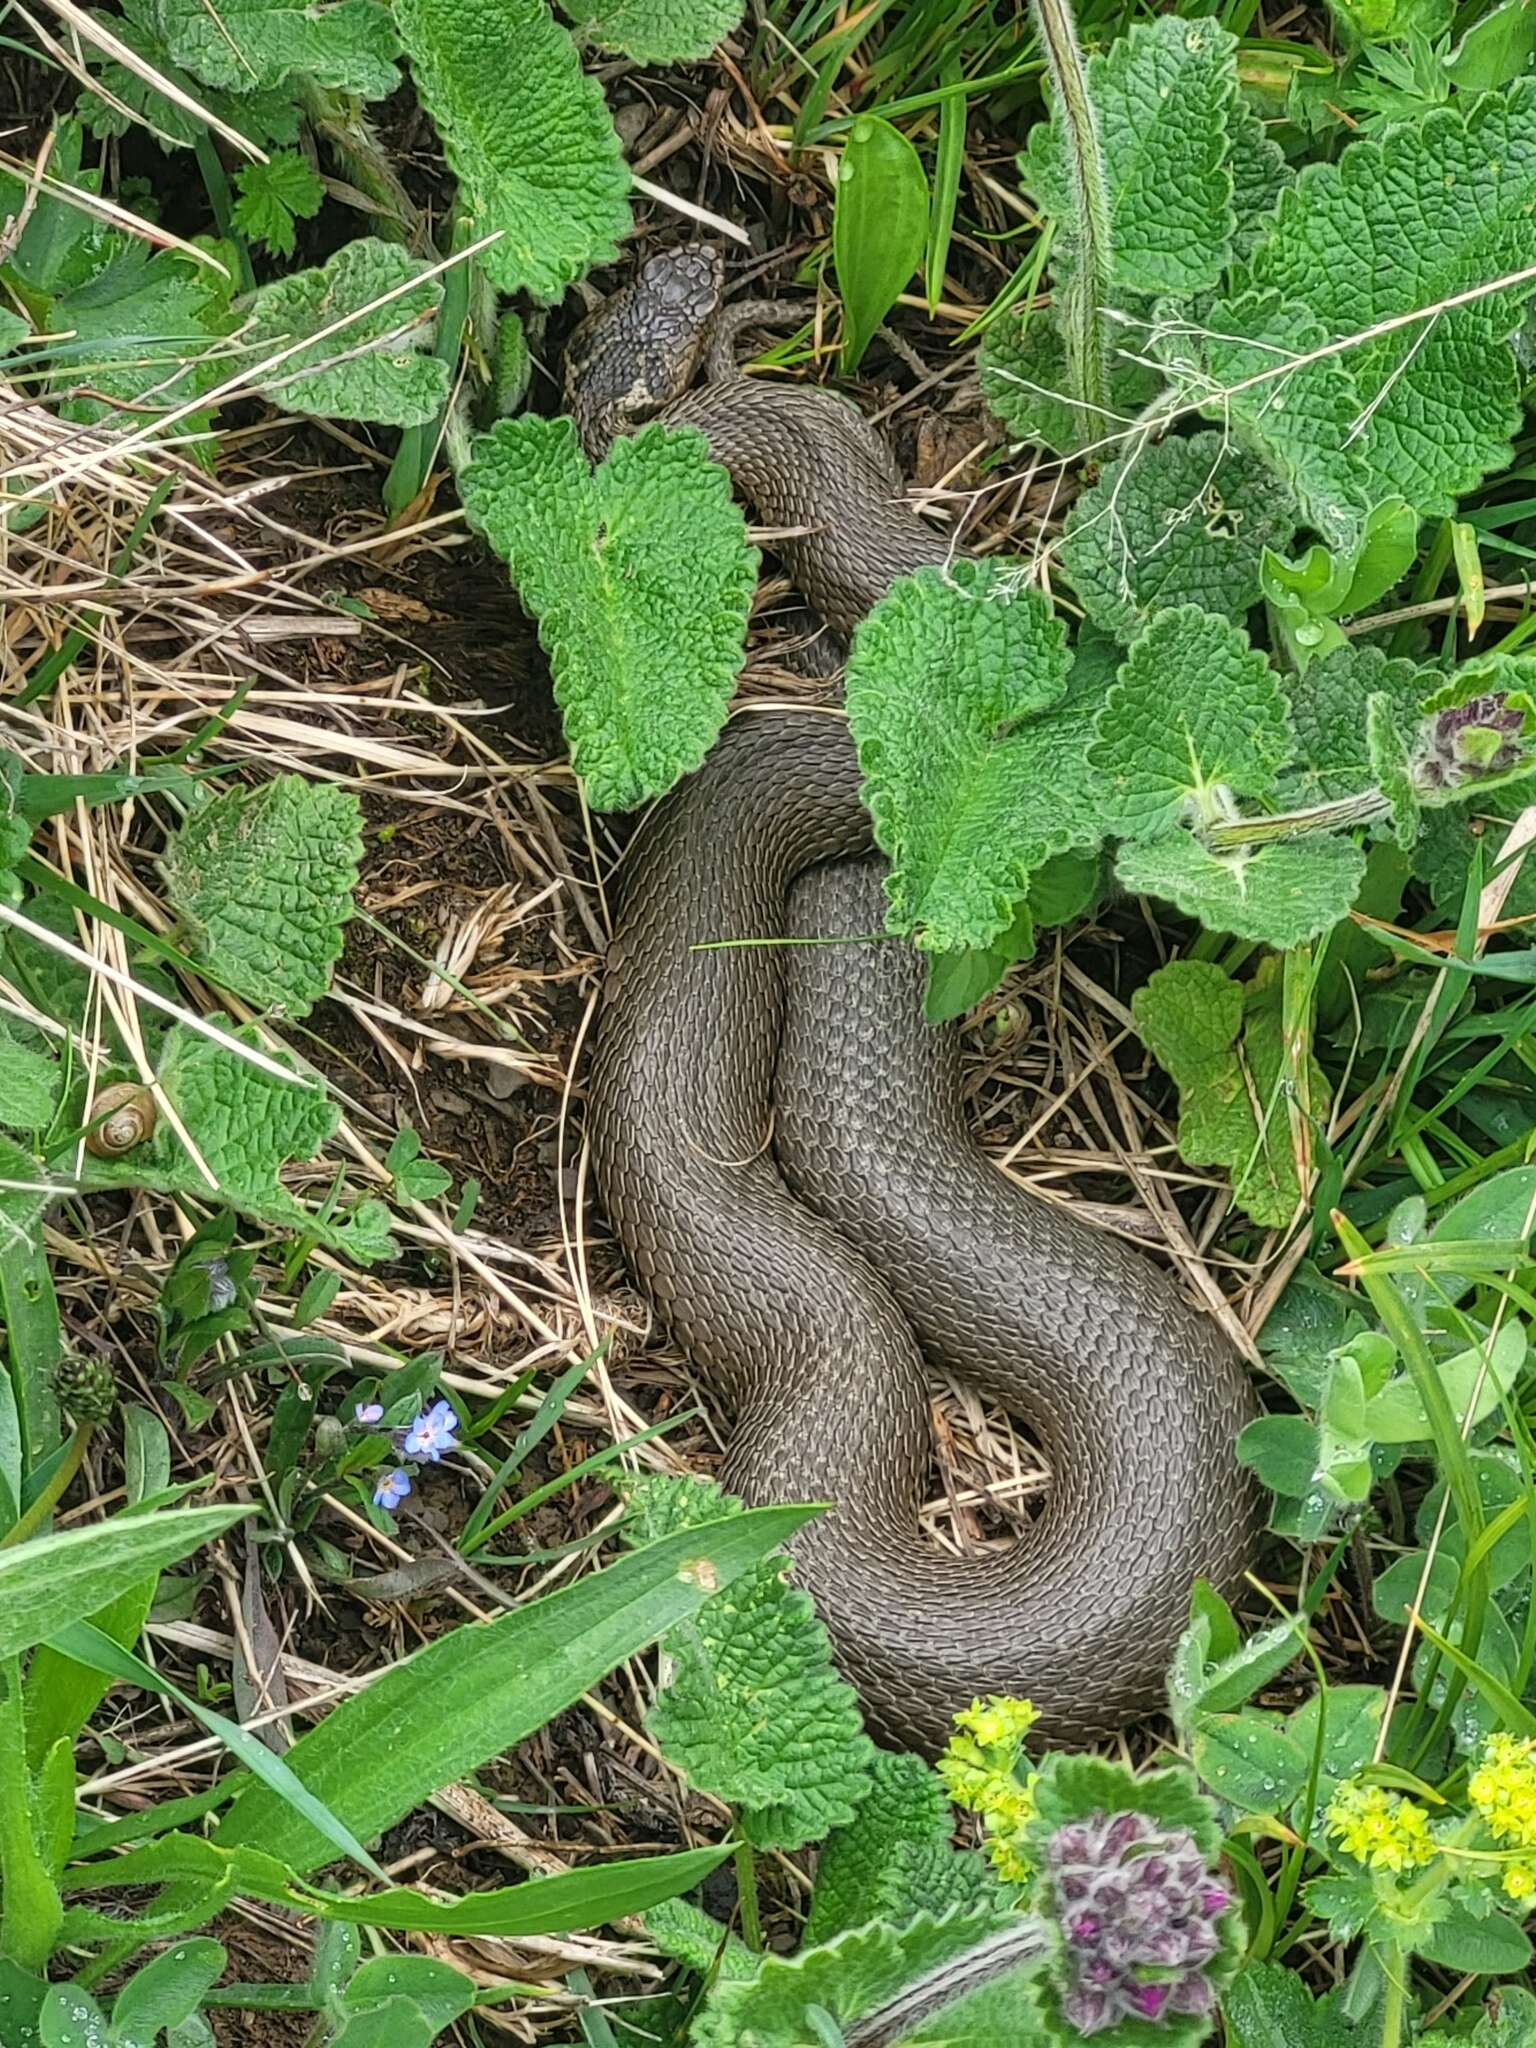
895,1857
656,31
946,662
245,45
1195,711
640,577
1163,94
1395,226
247,1125
753,1710
1280,895
389,373
846,1978
1260,174
1328,715
262,880
696,1938
267,116
29,1084
1442,857
1177,522
1023,370
1230,1076
526,134
1269,2007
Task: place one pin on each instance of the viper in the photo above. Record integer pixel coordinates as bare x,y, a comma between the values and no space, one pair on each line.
779,1140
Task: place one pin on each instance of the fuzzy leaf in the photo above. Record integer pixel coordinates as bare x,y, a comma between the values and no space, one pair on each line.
847,1978
245,45
942,665
273,196
753,1710
1230,1076
263,880
1023,370
1195,711
1163,94
29,1084
527,135
1177,522
1328,714
1394,227
640,577
1270,2007
656,31
247,1126
895,1858
1280,896
389,373
1260,174
696,1938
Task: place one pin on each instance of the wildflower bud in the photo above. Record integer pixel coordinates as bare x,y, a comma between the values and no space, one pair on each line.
1470,741
1140,1919
87,1387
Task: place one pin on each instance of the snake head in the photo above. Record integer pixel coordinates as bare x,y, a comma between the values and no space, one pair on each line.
640,349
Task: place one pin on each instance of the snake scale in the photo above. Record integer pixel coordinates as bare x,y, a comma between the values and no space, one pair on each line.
779,1141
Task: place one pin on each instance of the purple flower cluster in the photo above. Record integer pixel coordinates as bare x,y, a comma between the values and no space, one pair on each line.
1139,1915
1480,738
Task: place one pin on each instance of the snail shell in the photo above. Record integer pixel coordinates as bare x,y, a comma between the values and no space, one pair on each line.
122,1116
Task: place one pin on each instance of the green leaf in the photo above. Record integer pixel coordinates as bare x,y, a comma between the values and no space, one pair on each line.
440,1993
543,1905
1396,1415
1177,522
1426,409
139,333
29,1084
273,196
879,228
480,1690
894,1858
655,31
165,1991
71,2018
1195,712
846,1978
1495,49
640,577
262,880
1351,1717
1164,95
1230,1075
1280,896
247,1125
246,45
390,2023
529,141
380,365
1489,1947
694,1937
265,117
1329,702
1223,1687
1266,2006
1023,368
1260,176
1249,1760
53,1580
752,1709
943,664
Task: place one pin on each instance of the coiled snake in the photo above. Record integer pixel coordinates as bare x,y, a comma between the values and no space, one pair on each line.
778,1139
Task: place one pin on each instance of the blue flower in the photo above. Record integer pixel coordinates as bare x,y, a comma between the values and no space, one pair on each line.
391,1490
368,1413
432,1434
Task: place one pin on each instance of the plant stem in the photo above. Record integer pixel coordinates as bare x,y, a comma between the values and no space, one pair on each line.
221,199
32,1912
340,124
35,1516
1394,1972
746,1893
1087,292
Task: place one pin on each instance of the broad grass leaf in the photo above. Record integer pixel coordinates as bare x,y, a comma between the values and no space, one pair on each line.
54,1580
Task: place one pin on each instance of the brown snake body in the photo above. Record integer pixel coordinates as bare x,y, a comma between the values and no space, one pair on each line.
779,1141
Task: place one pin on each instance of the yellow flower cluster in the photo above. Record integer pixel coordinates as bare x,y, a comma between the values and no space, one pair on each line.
1503,1790
979,1772
1380,1828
